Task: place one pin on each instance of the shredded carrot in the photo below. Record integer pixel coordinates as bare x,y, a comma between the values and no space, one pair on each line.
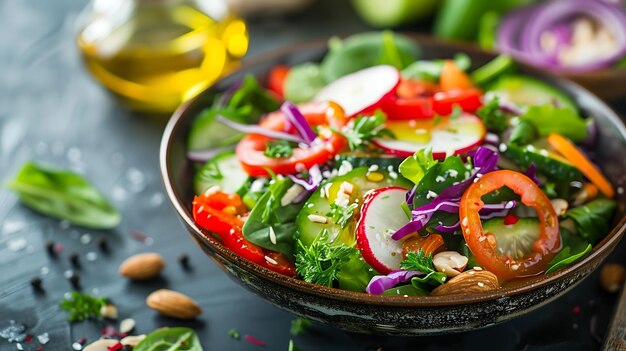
452,78
568,150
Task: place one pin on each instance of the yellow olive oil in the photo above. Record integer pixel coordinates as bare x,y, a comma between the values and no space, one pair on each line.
162,55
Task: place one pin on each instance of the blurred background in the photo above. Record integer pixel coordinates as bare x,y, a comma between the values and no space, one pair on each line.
89,85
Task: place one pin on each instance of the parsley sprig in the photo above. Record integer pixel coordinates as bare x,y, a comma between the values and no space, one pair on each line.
363,129
320,263
278,149
341,215
420,261
82,306
299,326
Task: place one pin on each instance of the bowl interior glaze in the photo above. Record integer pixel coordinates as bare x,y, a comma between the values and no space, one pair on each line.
176,171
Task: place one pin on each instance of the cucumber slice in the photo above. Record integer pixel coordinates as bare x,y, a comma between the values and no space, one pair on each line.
525,90
225,171
514,240
319,205
206,133
547,162
365,160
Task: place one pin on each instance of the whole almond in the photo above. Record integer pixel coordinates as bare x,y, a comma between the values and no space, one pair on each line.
142,266
468,282
173,304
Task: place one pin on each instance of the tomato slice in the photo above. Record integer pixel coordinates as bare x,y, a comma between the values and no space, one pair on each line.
226,226
276,80
213,212
483,244
250,150
469,100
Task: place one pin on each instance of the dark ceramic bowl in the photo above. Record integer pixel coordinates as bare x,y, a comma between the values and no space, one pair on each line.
360,312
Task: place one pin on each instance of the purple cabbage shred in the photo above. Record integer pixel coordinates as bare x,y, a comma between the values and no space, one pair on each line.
378,284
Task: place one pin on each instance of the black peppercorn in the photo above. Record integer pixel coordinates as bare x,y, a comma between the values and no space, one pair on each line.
50,248
74,259
36,283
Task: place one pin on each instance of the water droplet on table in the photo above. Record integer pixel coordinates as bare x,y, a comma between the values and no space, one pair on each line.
43,338
12,226
118,193
45,270
156,199
136,180
85,238
91,256
74,155
17,244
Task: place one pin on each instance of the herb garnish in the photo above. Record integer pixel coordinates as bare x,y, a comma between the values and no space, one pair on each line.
419,261
493,117
299,325
320,263
278,149
82,306
363,129
234,334
341,215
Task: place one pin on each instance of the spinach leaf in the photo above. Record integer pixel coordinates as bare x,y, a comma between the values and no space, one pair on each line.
170,339
406,290
365,50
269,213
415,167
430,70
299,326
65,195
278,149
524,133
548,119
246,105
573,249
303,82
593,219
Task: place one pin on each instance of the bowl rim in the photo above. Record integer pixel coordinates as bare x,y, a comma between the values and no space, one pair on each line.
536,282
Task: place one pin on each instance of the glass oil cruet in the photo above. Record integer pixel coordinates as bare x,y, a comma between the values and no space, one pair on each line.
155,54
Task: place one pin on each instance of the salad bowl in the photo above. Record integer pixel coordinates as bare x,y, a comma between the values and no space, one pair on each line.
393,315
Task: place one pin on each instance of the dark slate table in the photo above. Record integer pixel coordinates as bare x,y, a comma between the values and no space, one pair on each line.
51,111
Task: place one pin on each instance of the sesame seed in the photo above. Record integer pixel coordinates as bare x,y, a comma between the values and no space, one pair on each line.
200,209
431,194
212,190
373,168
317,218
272,236
515,267
271,260
464,222
482,238
481,284
471,272
478,269
502,147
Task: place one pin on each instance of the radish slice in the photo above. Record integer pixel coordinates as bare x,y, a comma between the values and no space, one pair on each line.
381,216
446,136
362,91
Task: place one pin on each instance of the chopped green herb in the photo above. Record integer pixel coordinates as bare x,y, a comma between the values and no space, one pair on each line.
320,263
419,261
82,306
234,334
299,325
415,167
341,215
363,129
278,149
493,117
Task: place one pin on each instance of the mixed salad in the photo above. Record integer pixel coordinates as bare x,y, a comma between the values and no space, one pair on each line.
380,172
